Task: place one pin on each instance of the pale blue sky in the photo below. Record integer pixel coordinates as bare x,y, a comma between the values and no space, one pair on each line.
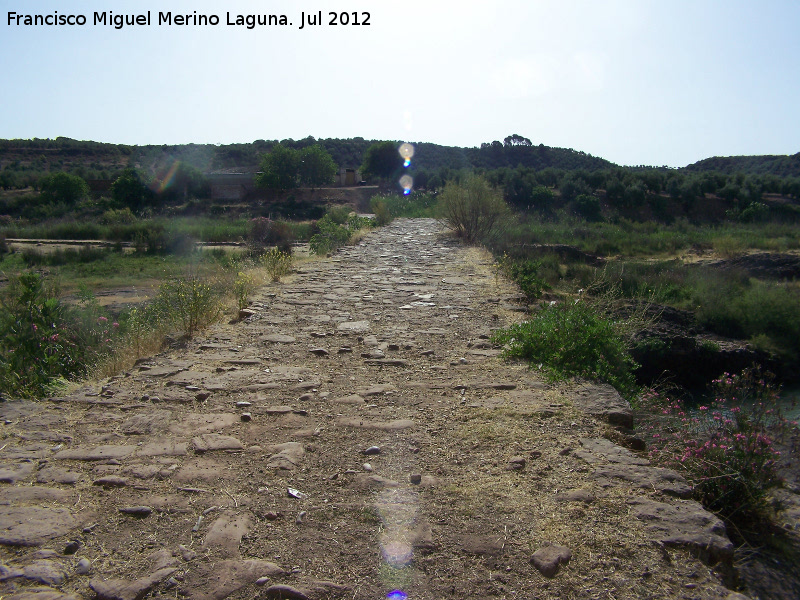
636,82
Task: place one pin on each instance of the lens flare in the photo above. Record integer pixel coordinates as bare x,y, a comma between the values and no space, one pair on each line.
167,180
407,183
407,152
396,595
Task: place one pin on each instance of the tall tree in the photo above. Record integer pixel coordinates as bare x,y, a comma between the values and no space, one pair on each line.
315,166
279,168
63,187
382,160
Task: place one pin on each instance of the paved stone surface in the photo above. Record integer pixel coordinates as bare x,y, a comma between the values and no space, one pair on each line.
480,461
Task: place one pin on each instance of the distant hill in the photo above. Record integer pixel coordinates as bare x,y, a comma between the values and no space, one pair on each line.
23,160
783,166
97,159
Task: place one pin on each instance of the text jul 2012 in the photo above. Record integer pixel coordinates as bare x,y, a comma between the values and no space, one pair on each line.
251,21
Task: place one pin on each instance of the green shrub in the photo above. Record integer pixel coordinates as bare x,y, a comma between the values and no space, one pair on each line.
472,209
276,263
381,209
725,447
573,339
588,207
336,229
243,286
43,341
330,237
265,232
188,304
526,274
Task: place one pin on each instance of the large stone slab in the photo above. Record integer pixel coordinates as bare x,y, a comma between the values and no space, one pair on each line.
15,473
34,525
600,450
153,421
97,453
226,533
221,579
163,447
353,327
663,480
33,493
686,524
209,442
397,425
604,402
200,423
120,589
287,456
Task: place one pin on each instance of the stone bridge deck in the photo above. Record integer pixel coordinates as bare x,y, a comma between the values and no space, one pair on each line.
358,434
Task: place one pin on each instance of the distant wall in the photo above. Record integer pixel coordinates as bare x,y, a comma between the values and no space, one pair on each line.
231,186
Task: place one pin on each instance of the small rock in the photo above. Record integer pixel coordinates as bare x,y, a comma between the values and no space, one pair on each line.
293,493
372,450
72,547
516,463
202,396
138,511
300,516
246,417
565,451
415,478
367,467
319,351
550,558
83,567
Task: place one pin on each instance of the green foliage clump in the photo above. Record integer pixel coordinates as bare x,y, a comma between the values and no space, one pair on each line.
63,188
277,263
243,286
43,341
129,190
382,160
413,205
279,168
588,207
336,228
526,274
264,232
283,168
573,339
383,215
315,166
472,209
188,303
725,447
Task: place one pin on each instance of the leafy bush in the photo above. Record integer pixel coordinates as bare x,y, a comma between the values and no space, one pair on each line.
726,448
277,264
573,339
381,209
588,207
243,286
188,304
526,274
330,237
472,209
415,204
43,341
335,230
265,232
